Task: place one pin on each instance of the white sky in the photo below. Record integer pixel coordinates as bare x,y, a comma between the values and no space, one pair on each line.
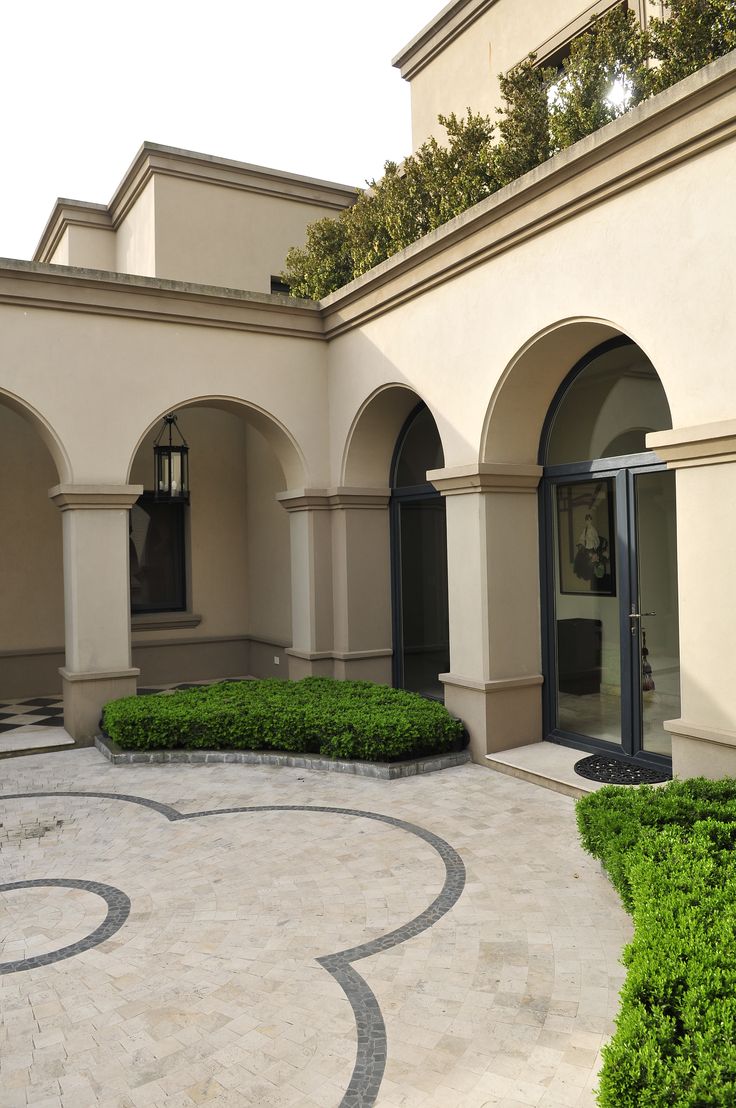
305,87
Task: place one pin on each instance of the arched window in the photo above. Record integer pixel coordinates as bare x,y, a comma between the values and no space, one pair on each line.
606,407
610,572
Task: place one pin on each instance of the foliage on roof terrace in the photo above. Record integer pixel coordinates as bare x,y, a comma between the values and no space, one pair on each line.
612,67
670,854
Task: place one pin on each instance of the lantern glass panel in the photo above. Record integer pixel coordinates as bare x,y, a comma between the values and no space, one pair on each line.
164,470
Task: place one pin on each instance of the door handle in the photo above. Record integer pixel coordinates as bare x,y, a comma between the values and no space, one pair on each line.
634,616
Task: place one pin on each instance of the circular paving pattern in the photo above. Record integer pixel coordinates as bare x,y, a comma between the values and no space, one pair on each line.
118,910
370,1061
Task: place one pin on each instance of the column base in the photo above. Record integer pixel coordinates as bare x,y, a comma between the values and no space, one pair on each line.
364,665
86,694
304,664
699,751
497,714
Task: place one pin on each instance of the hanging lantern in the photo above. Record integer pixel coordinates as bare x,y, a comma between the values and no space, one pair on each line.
170,463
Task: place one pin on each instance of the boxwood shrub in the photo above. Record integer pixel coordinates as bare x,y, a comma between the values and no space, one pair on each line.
670,854
339,719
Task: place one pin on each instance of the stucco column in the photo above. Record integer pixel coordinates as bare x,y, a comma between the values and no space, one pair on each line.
310,653
97,668
704,735
495,680
361,574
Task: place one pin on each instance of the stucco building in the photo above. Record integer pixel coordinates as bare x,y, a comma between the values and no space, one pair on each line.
498,467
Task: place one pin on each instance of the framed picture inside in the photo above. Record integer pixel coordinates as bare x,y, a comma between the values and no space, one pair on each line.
586,537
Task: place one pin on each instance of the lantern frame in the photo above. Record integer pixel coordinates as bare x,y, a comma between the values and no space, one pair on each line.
170,463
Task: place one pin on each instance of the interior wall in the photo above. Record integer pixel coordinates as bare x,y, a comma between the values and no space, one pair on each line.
269,559
238,557
31,562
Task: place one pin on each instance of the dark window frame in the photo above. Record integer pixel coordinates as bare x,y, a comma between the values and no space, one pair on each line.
178,510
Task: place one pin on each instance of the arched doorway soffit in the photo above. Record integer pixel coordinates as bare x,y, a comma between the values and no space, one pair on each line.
46,432
281,440
525,390
371,439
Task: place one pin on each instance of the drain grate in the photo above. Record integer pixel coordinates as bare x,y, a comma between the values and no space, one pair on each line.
616,771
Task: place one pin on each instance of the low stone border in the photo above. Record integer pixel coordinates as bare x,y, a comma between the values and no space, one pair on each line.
385,771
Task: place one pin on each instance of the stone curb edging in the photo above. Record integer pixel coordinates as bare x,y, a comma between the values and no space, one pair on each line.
385,771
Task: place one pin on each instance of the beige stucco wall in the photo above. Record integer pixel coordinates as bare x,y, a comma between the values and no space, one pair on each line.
465,72
31,584
268,565
225,236
135,238
92,247
580,270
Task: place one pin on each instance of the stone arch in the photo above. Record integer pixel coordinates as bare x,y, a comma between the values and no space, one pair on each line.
46,432
528,385
288,452
371,440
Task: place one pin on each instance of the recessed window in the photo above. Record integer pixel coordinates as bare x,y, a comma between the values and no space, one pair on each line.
277,285
157,556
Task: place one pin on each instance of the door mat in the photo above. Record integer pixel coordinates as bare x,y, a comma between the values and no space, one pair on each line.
616,771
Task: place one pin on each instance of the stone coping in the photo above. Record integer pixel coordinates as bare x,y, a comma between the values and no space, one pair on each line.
384,771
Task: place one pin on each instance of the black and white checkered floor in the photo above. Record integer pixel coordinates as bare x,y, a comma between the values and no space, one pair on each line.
48,711
35,711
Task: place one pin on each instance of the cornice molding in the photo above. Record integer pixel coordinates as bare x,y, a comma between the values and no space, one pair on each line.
97,292
499,684
688,730
70,213
153,159
327,500
455,18
704,445
643,143
486,477
94,497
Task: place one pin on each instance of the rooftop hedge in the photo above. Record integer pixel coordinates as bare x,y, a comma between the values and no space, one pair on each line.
670,854
339,719
544,111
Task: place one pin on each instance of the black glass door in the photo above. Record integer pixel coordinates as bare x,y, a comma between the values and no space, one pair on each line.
610,586
421,628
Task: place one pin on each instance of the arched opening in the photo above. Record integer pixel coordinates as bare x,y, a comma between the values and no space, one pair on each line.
210,576
419,559
609,558
32,578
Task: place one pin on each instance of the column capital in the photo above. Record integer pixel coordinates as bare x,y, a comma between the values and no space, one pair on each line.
706,444
68,497
302,500
485,477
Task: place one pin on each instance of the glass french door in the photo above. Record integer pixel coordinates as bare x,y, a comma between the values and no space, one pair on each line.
421,620
610,580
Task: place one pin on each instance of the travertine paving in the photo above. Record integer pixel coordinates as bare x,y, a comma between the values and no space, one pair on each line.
211,992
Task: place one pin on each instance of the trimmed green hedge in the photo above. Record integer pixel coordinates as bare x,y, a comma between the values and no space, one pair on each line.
670,855
340,719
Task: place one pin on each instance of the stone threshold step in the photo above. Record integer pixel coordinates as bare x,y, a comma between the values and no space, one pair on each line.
41,740
545,764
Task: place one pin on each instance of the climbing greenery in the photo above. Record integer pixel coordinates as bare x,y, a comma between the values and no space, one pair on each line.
613,66
671,855
340,719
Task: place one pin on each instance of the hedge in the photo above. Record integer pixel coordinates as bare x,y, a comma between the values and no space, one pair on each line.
340,719
670,854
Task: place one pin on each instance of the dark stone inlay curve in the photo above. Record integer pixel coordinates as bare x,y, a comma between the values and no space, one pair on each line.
118,910
372,1043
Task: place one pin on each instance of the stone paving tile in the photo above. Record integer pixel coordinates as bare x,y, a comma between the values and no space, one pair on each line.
210,992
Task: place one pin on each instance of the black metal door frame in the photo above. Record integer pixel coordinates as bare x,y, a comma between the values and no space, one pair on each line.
624,471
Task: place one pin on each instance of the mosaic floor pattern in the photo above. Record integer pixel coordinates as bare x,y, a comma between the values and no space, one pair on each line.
438,942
